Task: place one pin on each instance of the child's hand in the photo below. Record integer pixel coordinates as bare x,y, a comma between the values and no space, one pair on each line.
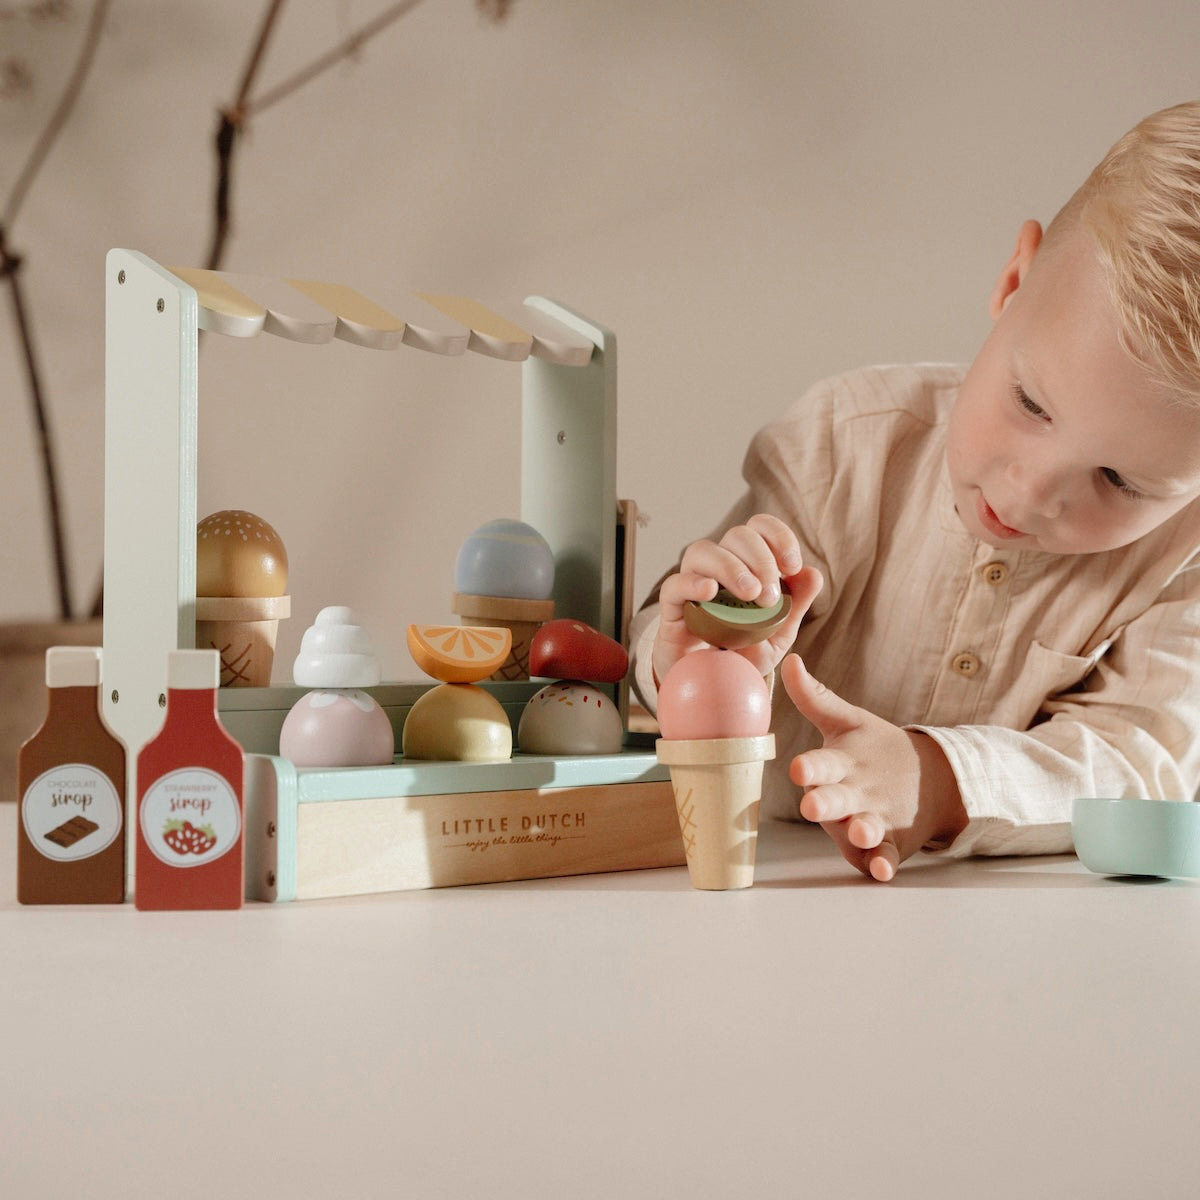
749,561
879,791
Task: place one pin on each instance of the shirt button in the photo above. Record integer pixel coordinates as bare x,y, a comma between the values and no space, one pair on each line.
995,573
967,665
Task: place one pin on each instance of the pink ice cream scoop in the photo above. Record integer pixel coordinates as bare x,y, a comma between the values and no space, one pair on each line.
713,694
714,710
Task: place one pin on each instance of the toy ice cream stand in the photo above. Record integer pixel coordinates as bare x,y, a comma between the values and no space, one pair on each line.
313,832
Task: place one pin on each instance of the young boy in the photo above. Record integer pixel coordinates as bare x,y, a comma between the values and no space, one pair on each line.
995,571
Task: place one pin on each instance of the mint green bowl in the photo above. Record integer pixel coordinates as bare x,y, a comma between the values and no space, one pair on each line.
1137,836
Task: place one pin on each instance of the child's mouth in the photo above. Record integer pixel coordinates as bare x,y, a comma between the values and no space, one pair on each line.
992,523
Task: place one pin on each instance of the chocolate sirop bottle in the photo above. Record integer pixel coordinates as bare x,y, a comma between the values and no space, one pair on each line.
71,784
190,783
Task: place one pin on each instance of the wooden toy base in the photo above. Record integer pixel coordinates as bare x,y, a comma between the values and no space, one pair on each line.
319,833
315,832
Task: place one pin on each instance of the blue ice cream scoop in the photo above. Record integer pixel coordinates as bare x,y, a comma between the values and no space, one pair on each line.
505,558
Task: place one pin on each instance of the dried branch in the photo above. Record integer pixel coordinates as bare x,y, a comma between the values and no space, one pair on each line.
10,268
344,49
257,53
229,127
232,119
43,145
232,122
494,10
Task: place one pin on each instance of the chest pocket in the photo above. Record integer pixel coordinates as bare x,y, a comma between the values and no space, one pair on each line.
1054,673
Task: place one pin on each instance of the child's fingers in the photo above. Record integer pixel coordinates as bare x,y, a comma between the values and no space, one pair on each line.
816,767
829,802
884,862
784,546
815,702
866,831
726,563
673,639
879,862
678,589
804,587
761,571
749,560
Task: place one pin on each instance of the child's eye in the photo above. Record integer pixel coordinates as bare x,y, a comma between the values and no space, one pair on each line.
1029,405
1119,485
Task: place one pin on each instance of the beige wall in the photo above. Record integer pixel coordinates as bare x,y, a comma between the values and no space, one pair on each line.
750,194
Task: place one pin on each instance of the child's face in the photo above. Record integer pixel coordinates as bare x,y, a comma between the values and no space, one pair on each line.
1058,440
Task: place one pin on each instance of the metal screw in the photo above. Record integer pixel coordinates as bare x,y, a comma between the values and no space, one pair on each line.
116,696
270,829
120,276
270,879
162,700
161,305
562,436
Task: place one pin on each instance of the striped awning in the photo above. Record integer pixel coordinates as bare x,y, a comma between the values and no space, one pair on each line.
308,310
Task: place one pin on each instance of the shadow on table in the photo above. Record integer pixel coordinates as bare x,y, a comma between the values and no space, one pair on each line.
803,857
1055,871
798,856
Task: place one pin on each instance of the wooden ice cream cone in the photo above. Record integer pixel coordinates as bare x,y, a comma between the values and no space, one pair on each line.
521,617
243,630
718,786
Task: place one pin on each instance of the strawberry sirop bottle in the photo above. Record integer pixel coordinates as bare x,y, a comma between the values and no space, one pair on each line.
190,779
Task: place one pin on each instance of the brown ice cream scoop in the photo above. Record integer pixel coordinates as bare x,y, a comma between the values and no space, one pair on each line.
239,554
241,581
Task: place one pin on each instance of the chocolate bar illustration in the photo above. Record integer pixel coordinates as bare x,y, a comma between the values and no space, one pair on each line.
72,831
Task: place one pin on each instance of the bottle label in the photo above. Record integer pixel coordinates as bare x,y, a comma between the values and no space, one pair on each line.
71,812
190,817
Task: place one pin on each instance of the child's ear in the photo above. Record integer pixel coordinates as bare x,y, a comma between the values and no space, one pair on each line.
1029,238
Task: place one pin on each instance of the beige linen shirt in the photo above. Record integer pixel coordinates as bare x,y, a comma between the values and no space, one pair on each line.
1042,677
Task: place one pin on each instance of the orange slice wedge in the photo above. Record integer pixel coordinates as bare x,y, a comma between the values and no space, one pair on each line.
459,653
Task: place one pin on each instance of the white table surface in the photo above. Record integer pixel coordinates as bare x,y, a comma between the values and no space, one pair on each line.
1005,1028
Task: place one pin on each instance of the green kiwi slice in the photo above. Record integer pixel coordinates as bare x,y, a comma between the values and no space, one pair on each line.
730,623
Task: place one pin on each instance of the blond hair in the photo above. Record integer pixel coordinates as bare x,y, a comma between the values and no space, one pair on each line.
1141,205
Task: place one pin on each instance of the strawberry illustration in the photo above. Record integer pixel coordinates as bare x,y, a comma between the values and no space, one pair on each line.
185,838
175,837
205,839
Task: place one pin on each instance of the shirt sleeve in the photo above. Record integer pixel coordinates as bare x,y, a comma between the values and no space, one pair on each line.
642,630
1131,729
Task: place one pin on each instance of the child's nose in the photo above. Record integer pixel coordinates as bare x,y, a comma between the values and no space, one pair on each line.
1039,488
